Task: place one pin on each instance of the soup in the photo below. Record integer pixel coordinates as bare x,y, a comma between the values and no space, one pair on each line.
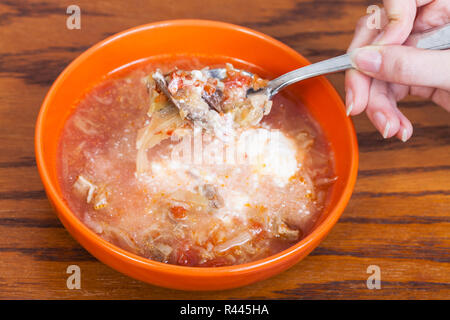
157,182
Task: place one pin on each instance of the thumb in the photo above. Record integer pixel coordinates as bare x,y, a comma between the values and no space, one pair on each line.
404,65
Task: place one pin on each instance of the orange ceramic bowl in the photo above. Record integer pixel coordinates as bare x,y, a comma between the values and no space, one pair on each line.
207,38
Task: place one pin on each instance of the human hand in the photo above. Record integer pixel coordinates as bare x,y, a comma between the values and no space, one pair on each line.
386,71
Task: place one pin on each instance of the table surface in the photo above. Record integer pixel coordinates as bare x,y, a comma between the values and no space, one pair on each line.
398,217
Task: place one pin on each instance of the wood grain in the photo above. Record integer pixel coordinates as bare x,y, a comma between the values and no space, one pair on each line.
398,217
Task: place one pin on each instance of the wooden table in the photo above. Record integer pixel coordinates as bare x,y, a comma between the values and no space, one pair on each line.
398,218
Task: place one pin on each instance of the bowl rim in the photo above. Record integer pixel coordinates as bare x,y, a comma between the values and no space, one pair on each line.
63,209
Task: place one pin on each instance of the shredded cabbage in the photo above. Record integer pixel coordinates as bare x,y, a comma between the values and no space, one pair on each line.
164,120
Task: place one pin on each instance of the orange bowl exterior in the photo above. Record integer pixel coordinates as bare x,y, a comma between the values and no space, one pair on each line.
206,38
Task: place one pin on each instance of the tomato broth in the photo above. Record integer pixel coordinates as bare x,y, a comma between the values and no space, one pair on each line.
191,198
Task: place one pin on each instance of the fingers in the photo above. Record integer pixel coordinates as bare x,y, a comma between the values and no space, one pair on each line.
396,70
442,98
405,130
435,13
424,92
400,91
405,65
381,109
401,15
356,83
383,112
357,87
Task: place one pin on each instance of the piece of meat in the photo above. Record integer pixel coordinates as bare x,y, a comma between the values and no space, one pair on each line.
287,233
214,100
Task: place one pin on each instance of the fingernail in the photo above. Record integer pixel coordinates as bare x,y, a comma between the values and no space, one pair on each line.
404,135
349,101
381,123
386,129
349,108
367,59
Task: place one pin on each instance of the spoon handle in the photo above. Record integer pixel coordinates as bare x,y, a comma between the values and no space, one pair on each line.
332,65
433,39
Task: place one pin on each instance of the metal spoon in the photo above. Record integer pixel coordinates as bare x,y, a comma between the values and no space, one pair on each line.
433,39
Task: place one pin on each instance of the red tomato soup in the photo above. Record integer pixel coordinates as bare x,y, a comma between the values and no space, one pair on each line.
144,176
